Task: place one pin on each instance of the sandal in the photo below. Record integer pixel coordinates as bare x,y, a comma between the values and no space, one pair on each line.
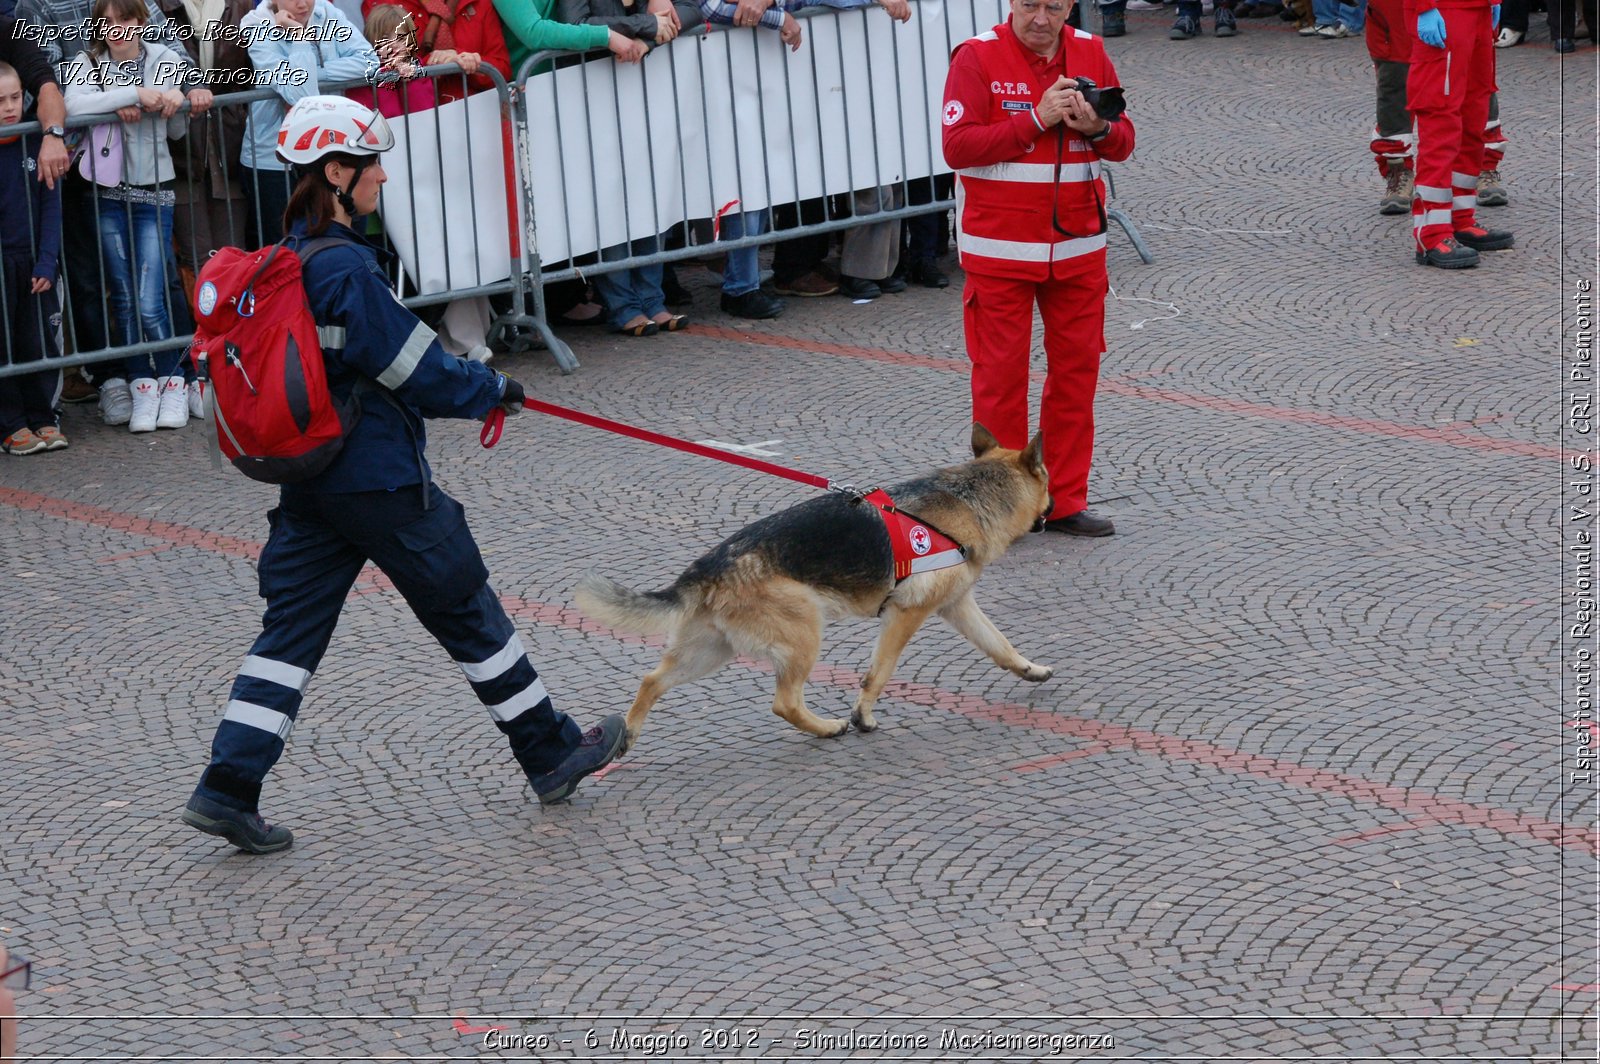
674,323
644,328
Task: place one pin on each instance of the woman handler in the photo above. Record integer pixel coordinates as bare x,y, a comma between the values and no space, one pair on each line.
375,502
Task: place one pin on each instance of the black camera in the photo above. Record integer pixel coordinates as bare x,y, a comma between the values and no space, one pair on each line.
1107,103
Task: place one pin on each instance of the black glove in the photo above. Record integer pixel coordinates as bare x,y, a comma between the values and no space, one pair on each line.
511,395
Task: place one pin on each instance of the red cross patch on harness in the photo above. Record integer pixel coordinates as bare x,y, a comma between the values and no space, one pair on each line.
918,546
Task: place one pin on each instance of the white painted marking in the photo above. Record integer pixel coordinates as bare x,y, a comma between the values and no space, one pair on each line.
760,449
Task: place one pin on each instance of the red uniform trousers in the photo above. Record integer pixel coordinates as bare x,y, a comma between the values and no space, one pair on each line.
999,326
1448,93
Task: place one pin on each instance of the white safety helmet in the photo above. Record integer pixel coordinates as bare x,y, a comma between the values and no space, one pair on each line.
319,126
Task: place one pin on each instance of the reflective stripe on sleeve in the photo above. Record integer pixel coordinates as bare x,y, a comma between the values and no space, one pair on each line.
254,716
278,672
507,656
330,336
406,359
520,703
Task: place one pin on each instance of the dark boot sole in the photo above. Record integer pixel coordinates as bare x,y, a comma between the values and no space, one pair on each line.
1394,208
562,793
230,831
1465,264
1488,245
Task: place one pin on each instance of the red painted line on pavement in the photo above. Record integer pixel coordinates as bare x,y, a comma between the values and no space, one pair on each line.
1583,988
1059,759
1380,832
136,553
1420,804
1446,435
460,1024
1593,728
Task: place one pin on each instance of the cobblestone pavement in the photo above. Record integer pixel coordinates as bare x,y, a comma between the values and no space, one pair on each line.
1296,790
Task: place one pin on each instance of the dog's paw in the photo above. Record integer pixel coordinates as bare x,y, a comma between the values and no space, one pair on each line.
836,728
863,722
1037,673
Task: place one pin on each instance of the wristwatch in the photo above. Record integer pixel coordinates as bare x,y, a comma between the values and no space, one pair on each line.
55,131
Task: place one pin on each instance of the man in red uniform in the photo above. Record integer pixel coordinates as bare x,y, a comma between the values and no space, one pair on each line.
1447,92
1031,228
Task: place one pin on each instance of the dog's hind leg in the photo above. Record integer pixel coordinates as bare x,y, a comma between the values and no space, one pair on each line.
697,650
965,616
784,625
899,625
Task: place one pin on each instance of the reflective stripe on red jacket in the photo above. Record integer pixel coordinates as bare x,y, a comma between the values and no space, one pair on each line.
1014,218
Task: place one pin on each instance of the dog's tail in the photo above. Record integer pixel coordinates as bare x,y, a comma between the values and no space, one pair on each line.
627,610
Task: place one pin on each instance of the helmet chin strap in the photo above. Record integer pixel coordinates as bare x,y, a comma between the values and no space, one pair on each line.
343,195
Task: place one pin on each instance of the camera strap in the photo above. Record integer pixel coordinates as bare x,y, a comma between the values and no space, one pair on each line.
1055,187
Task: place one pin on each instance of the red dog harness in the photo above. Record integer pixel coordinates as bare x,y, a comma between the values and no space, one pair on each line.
918,546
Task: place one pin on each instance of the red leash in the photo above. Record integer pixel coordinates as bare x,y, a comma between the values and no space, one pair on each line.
494,424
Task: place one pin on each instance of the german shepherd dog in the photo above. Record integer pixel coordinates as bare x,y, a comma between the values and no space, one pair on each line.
767,590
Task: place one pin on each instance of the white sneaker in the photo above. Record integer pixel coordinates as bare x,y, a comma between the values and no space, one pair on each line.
174,409
1508,38
1144,5
481,353
146,405
197,401
116,402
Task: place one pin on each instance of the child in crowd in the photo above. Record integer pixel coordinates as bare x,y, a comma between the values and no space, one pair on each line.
393,35
30,238
131,165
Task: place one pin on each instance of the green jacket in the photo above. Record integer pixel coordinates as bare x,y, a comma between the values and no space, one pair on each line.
530,27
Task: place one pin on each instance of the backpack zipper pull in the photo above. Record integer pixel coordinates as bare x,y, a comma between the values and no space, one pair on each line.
233,357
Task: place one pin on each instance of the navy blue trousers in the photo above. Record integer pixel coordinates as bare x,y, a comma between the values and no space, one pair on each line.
317,547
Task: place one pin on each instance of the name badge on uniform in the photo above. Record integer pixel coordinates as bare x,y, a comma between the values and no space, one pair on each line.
1015,105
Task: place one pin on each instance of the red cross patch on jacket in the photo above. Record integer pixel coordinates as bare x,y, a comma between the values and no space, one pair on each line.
918,546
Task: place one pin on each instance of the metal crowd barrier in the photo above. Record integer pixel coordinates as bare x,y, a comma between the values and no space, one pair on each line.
550,137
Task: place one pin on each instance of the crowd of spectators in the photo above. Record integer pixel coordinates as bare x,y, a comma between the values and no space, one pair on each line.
151,196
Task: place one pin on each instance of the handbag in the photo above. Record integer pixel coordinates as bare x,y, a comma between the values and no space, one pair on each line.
101,161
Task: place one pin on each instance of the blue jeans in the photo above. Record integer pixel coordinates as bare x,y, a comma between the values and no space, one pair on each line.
136,243
743,272
630,293
1327,12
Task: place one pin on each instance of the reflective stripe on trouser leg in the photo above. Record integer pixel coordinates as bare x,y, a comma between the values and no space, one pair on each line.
479,636
1074,312
305,572
1448,92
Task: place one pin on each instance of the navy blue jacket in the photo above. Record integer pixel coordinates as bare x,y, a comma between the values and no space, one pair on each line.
30,213
367,335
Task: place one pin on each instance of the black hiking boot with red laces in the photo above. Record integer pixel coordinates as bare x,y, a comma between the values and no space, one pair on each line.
1448,255
245,830
1480,239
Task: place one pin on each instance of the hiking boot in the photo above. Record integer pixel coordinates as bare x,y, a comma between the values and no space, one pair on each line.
599,746
52,437
146,405
1490,191
75,389
116,402
1397,192
245,830
1480,239
197,399
1227,26
858,288
891,285
1082,523
173,410
806,286
23,441
1113,24
1448,255
1184,29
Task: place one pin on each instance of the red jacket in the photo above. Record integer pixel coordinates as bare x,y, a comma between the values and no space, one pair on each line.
475,28
1010,202
1390,32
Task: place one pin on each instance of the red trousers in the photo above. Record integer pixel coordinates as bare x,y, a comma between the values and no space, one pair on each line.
1448,92
999,325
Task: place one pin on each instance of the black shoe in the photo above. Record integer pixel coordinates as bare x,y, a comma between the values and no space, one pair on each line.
1082,523
891,285
754,304
600,745
1227,26
245,830
1113,24
1184,29
1480,239
857,288
1564,45
1448,255
928,275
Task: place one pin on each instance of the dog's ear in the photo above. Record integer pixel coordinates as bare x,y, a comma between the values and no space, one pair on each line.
983,441
1032,456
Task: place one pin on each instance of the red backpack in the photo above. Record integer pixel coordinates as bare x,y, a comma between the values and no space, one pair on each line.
257,355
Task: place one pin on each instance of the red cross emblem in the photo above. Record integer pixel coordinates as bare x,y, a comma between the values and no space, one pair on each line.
953,112
921,542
